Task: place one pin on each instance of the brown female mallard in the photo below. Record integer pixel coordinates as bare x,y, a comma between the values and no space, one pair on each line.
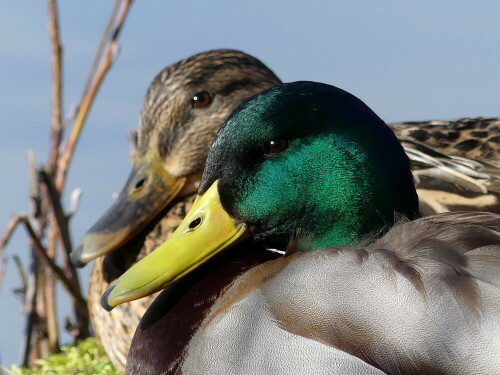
183,109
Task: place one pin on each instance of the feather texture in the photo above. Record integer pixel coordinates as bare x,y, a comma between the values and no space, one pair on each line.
422,299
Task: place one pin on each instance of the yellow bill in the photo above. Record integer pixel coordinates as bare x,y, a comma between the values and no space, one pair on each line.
206,230
147,191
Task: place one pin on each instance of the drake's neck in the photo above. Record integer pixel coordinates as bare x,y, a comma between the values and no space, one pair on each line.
355,225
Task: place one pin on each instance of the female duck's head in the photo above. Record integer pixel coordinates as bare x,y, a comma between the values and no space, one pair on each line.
183,109
301,157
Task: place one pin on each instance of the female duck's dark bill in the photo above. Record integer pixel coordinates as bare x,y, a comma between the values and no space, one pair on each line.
206,230
147,191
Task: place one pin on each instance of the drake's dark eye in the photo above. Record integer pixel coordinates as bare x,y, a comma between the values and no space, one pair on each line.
201,100
276,146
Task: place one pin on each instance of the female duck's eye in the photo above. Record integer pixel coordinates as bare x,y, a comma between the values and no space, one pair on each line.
140,183
201,100
276,146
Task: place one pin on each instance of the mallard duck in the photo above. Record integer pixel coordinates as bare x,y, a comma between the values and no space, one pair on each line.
183,109
364,288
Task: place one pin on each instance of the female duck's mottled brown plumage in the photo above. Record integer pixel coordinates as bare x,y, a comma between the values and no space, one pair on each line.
475,137
456,162
180,134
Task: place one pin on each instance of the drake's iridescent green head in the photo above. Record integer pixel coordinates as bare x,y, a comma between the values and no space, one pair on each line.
310,157
302,156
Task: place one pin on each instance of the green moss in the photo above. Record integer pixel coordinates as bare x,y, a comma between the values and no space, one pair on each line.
87,357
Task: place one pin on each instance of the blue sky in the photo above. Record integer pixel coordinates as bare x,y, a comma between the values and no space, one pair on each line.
407,60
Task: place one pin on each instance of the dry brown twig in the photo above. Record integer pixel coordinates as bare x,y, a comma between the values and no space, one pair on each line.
4,240
7,234
57,126
36,329
47,211
56,134
22,275
108,57
43,254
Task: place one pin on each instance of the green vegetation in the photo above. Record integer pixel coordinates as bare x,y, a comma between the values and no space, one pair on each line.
87,357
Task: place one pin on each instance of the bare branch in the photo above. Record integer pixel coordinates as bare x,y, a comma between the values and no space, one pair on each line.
56,137
42,253
47,309
55,42
107,60
4,240
60,227
100,49
34,306
22,275
60,217
49,298
30,310
38,209
9,231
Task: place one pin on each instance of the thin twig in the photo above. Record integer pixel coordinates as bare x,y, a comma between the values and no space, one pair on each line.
34,304
58,221
107,60
4,240
9,231
61,224
56,133
30,310
32,344
38,208
60,218
55,42
100,49
42,253
47,298
22,276
49,306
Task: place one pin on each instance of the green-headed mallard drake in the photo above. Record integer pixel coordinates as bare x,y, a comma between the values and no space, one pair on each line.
309,169
183,109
